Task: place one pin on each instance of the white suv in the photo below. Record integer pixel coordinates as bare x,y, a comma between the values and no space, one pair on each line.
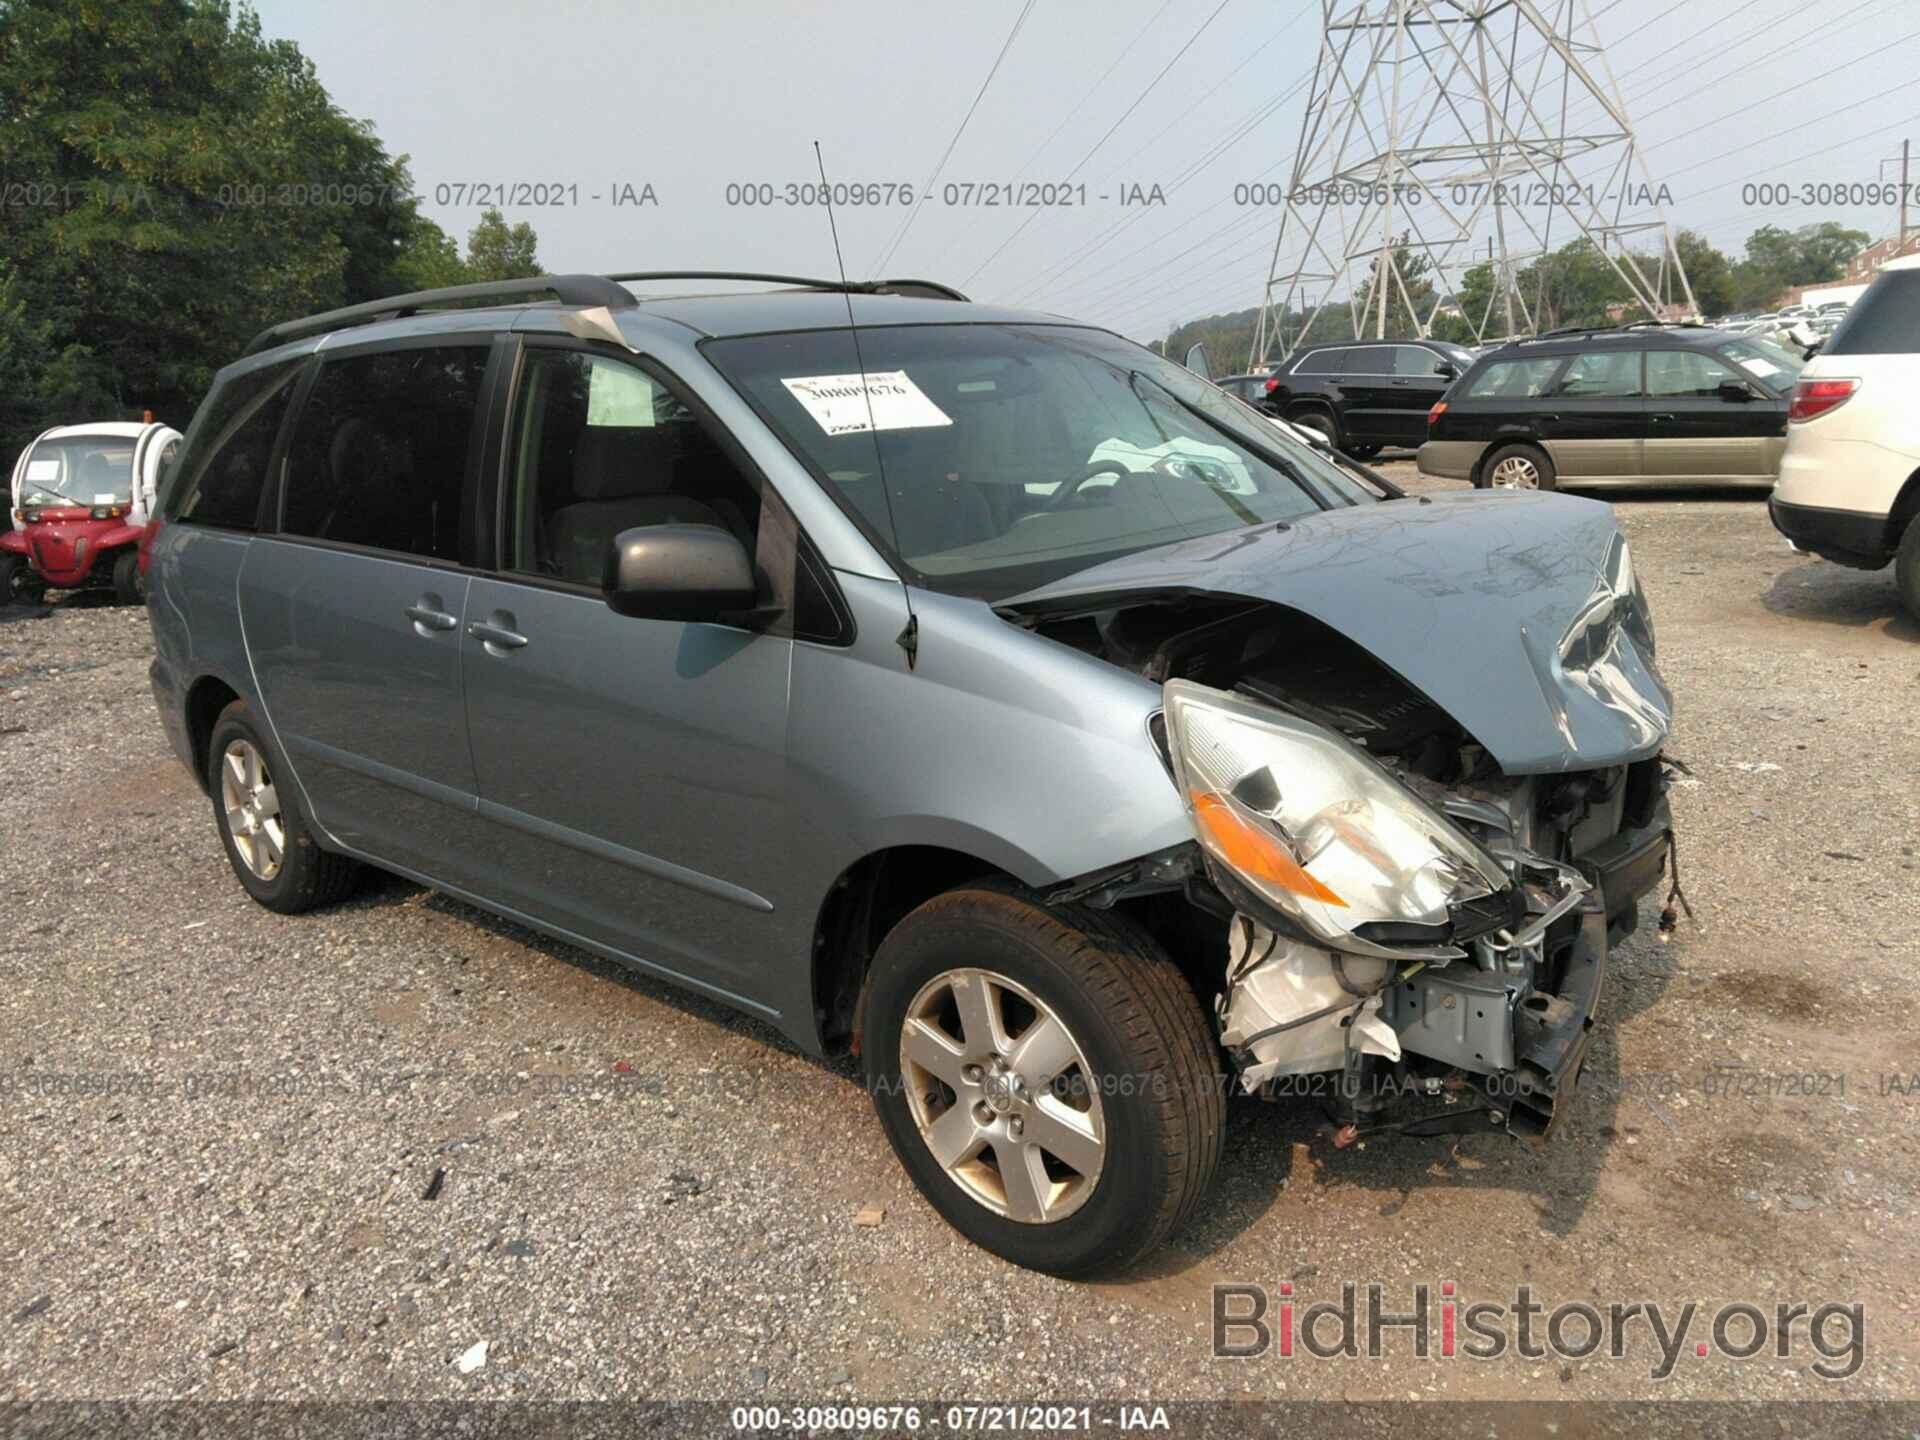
1849,486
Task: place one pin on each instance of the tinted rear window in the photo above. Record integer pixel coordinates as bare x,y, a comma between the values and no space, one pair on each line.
379,450
1884,321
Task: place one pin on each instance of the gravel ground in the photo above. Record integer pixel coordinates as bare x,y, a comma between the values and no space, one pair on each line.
343,1150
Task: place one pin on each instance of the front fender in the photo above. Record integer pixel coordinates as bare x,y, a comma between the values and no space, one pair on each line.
13,542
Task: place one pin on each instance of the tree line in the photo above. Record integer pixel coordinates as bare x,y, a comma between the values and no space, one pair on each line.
1575,285
171,183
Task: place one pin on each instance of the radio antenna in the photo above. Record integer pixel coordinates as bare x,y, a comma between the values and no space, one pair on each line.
909,638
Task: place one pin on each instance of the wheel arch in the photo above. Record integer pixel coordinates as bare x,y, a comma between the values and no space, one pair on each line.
1905,510
206,698
867,900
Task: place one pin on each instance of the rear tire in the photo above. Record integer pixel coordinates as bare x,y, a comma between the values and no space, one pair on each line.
128,587
1517,467
268,840
1125,1083
18,584
1318,421
1906,568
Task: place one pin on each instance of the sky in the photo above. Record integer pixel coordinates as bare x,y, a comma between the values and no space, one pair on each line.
688,112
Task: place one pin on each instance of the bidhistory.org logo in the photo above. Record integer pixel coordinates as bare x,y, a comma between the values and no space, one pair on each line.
1248,1325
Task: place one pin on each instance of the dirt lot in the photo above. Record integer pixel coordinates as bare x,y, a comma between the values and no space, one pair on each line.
247,1156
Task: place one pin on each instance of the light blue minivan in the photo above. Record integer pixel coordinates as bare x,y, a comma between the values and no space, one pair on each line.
969,688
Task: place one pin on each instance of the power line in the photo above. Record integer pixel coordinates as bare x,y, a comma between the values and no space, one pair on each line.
1137,101
880,266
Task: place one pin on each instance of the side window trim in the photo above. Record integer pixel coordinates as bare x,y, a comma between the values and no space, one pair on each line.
520,346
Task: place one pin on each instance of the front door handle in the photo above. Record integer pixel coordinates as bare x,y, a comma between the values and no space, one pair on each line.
428,617
497,634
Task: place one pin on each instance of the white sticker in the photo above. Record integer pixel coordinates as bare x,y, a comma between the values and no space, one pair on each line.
1759,366
887,400
43,469
106,499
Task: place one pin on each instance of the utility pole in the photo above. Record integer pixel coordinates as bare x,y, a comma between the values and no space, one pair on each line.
1906,154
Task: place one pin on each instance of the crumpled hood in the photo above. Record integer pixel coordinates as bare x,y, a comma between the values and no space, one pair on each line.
1516,612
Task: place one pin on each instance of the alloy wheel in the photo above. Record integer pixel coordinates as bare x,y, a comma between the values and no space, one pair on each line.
1516,472
252,808
1003,1096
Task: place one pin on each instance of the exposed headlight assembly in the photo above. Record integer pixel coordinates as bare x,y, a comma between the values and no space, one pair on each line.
1318,830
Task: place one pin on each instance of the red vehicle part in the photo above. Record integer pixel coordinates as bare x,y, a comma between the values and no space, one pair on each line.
69,548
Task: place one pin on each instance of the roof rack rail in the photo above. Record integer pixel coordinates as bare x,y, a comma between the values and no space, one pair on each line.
607,290
926,289
567,289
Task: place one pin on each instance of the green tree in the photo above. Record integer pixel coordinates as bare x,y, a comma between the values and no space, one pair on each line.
186,182
1709,273
497,251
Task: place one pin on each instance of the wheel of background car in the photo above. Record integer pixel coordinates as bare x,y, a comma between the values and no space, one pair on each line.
1906,568
1319,422
18,583
1045,1074
1364,452
1069,491
269,843
129,586
1517,467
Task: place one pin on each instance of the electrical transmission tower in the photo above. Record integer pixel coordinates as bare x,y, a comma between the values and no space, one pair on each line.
1441,135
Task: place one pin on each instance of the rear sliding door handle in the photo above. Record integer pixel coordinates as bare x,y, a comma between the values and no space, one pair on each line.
1660,417
497,638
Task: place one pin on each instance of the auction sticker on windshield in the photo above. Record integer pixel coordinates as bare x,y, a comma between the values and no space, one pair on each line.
43,470
887,400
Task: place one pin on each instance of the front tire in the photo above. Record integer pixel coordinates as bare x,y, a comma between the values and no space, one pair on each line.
269,842
1364,453
1517,467
1046,1076
18,584
1906,568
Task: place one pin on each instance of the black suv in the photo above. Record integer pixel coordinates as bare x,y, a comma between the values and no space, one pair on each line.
1365,395
1684,404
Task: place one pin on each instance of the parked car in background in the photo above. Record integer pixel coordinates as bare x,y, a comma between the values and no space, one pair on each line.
1849,485
979,693
1646,403
81,497
1365,395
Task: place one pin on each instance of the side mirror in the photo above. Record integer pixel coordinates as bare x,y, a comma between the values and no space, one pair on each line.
1734,390
1198,363
1446,371
679,572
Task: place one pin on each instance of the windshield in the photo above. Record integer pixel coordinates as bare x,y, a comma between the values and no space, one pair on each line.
1016,454
79,470
1770,364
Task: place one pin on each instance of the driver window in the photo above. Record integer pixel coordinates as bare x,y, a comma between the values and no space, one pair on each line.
600,446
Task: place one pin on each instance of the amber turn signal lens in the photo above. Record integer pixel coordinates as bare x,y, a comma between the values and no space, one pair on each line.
1253,853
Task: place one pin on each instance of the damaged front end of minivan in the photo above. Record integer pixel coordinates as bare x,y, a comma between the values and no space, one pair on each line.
1420,747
